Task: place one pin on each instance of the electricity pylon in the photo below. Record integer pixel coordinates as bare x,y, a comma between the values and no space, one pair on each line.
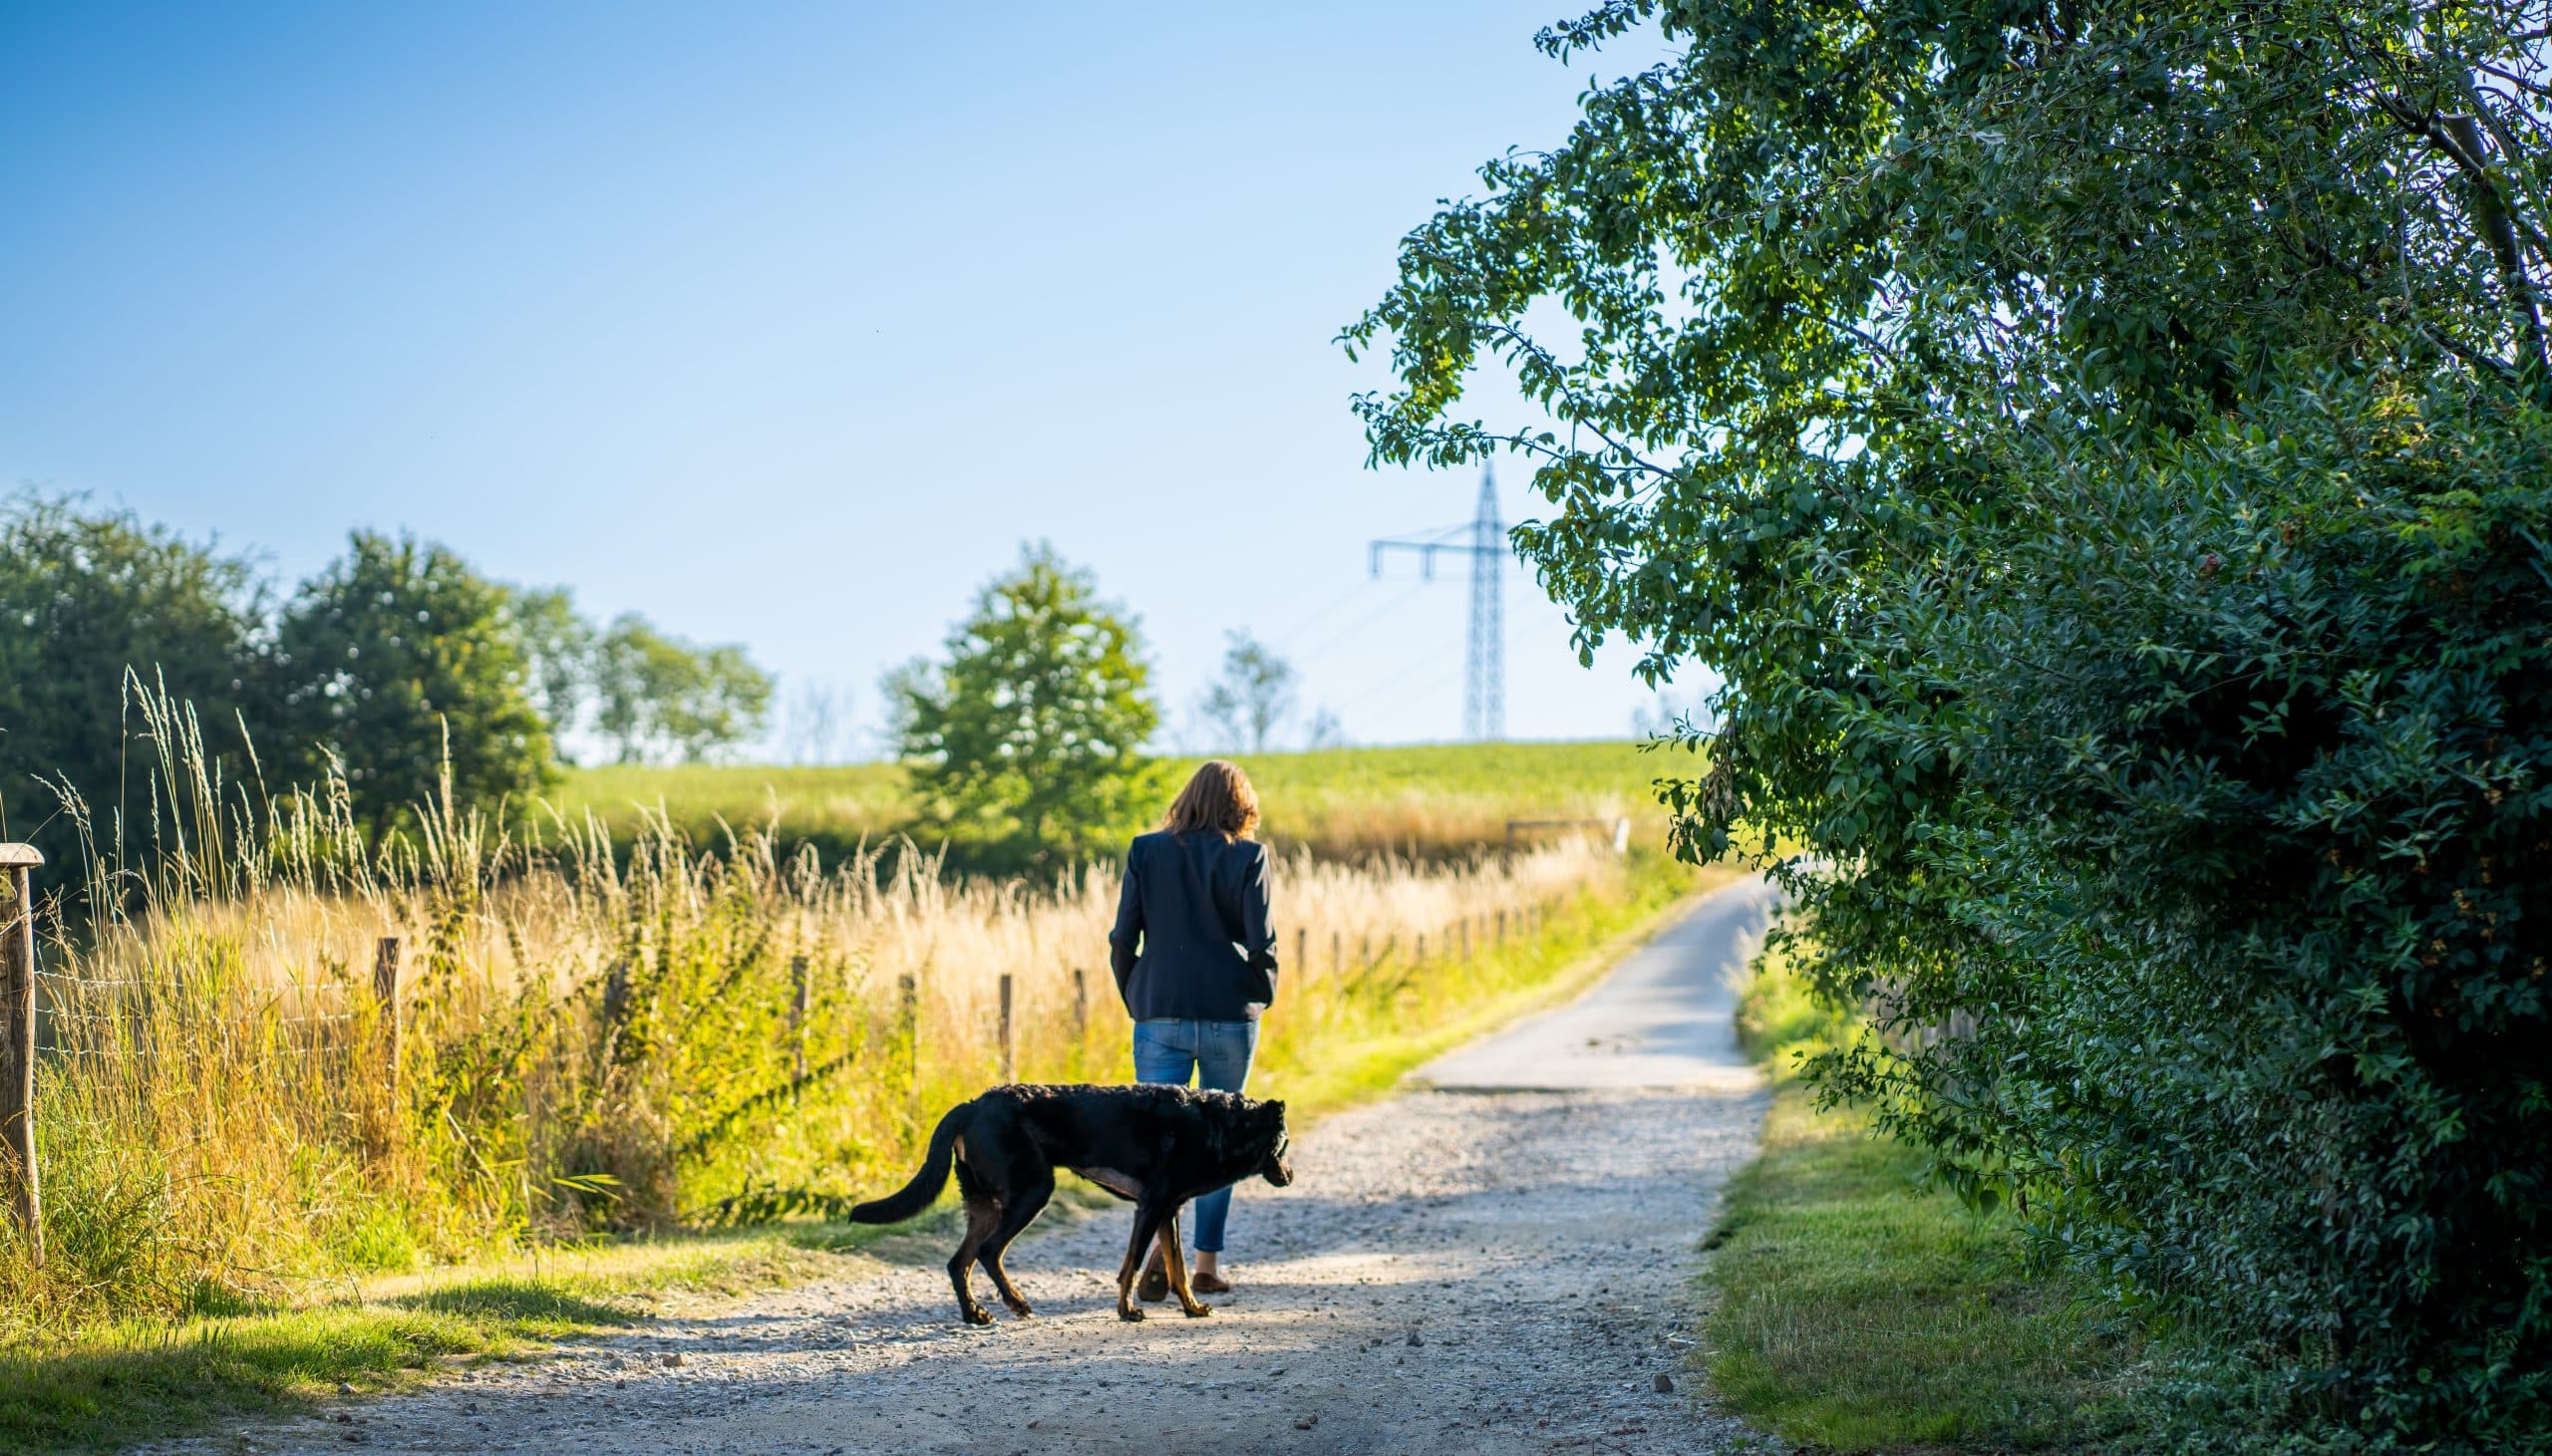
1484,685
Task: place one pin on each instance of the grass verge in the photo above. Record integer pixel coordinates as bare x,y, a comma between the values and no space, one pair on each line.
107,1384
1852,1308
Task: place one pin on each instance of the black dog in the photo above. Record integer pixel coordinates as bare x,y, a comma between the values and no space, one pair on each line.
1156,1146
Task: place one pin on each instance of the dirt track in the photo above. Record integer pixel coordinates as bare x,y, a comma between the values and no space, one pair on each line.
1451,1272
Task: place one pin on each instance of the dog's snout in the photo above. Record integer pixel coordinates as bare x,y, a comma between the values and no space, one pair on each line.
1279,1171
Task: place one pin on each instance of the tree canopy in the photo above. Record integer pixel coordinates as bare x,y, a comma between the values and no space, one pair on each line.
2102,450
405,667
1027,740
85,597
658,695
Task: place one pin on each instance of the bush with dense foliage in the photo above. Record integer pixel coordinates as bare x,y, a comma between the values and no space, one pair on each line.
2103,450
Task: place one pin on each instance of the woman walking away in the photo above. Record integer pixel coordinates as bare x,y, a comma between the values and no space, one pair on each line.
1196,961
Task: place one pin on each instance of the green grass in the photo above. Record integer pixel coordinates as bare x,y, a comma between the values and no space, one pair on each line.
108,1385
1429,799
1853,1309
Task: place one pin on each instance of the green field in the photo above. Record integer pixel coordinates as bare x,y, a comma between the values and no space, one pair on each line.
1428,801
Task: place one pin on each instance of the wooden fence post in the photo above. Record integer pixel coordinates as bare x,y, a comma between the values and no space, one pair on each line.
1081,1006
1336,953
385,995
18,1043
1008,1050
1421,958
1301,950
1466,937
798,1017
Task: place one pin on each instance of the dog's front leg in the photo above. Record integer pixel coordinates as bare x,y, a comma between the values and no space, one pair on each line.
1147,1222
1174,1262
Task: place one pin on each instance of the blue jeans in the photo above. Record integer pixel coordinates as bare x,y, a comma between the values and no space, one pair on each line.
1217,1053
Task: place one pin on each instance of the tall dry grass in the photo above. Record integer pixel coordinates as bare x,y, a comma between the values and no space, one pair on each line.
595,1039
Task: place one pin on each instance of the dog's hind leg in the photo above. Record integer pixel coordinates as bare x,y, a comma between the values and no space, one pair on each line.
1174,1262
1147,1222
983,1215
1020,1210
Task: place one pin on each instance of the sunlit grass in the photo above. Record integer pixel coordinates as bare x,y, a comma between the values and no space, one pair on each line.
1854,1308
1425,800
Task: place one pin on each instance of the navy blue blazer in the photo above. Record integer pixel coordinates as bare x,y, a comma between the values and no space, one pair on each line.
1193,940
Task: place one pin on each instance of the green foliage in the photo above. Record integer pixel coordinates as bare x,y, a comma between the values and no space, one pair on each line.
1029,737
1252,697
85,596
1781,1018
2102,450
405,672
657,696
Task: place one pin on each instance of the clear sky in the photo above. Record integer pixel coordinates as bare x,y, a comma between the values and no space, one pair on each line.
782,324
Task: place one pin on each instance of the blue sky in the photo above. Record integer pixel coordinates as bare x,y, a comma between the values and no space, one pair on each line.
782,324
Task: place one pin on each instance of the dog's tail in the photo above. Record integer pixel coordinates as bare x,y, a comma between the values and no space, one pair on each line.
915,1196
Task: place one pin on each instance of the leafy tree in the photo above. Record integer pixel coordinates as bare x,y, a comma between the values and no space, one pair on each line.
1253,695
661,696
560,646
399,659
85,596
1029,739
2101,449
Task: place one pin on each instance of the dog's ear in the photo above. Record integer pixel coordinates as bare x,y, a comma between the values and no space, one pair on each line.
1275,1111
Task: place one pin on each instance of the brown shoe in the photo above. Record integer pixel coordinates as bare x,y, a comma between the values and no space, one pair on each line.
1208,1283
1154,1287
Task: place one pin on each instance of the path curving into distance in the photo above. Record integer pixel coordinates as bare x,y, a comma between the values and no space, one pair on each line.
1495,1260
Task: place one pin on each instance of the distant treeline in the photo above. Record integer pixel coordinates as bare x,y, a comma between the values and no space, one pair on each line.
397,662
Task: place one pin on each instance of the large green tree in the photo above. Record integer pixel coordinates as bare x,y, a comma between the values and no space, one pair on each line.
2104,448
90,598
85,596
402,663
1027,741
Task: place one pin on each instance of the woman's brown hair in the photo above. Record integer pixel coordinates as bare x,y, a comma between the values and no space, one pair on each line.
1219,799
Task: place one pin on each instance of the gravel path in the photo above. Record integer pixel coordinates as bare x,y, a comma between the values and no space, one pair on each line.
1451,1272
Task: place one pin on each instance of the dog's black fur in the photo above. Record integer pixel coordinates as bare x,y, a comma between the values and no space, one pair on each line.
1158,1146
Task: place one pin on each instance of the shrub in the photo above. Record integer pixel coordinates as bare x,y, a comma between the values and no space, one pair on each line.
2255,981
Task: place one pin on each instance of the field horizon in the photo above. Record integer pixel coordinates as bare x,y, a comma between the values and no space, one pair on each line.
1419,800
